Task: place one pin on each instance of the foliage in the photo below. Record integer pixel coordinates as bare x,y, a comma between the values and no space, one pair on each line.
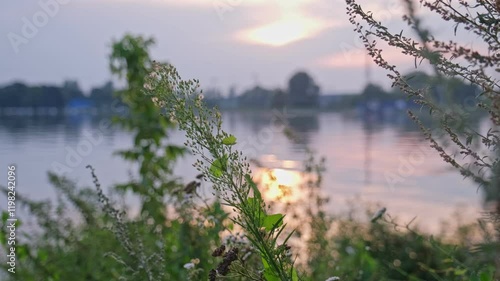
73,240
387,251
63,250
130,59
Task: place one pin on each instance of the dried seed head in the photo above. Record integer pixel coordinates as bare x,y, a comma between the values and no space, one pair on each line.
212,275
219,251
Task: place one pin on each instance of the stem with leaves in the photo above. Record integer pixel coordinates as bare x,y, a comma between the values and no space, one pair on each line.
225,167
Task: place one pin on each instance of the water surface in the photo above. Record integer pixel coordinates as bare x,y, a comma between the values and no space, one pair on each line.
368,159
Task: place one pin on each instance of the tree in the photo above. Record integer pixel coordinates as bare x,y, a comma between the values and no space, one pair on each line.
50,96
374,92
21,95
103,96
279,99
256,97
302,90
11,95
445,91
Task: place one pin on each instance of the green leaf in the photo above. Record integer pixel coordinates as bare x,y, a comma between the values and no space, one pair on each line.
218,166
273,221
270,277
255,205
42,255
459,272
268,274
295,276
230,140
486,276
264,263
254,187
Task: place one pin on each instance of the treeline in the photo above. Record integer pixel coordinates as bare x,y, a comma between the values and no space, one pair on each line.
20,95
302,92
443,90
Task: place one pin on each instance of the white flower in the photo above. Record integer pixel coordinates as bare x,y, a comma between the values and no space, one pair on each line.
334,278
350,250
189,265
155,75
172,117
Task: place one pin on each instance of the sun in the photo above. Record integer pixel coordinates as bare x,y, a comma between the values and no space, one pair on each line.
282,32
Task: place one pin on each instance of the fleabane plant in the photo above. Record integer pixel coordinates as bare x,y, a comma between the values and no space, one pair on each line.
227,168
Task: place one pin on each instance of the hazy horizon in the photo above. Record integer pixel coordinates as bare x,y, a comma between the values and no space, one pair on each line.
222,43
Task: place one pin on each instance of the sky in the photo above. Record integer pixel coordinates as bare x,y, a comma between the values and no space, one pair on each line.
222,43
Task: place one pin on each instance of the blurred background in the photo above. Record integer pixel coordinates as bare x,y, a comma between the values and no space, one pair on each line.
298,61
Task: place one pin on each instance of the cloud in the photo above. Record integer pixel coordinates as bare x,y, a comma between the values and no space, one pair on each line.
357,58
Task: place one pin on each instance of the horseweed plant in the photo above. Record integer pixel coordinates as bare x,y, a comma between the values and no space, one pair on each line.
227,169
478,66
447,59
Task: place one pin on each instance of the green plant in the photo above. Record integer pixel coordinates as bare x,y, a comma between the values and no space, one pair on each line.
226,168
472,152
73,234
156,158
443,57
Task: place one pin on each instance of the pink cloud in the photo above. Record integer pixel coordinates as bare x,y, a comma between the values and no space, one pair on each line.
357,57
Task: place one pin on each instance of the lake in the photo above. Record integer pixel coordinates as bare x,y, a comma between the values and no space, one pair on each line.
369,159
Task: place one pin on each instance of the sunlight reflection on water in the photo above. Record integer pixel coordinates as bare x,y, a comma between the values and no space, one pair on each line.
279,184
